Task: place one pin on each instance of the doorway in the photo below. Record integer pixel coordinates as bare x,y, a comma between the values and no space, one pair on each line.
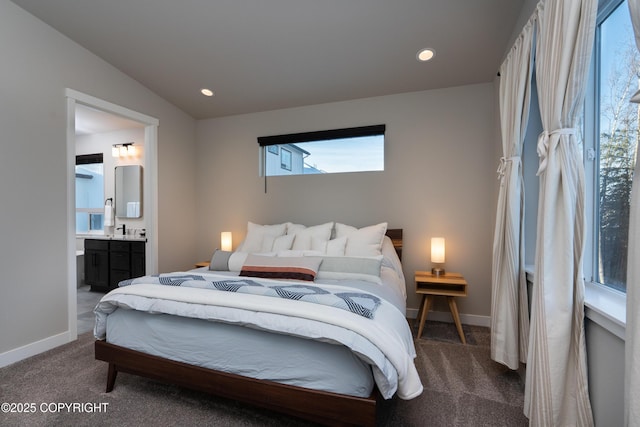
86,114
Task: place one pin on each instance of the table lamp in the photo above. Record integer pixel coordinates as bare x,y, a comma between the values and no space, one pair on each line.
437,255
226,241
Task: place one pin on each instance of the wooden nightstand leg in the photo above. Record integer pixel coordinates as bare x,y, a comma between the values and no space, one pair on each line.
417,319
456,317
425,309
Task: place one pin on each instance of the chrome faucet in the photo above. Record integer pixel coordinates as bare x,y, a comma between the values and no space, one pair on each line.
124,229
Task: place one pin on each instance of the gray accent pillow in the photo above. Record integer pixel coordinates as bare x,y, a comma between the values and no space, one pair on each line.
220,260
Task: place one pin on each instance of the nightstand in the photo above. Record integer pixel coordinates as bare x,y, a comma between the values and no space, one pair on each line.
202,264
450,285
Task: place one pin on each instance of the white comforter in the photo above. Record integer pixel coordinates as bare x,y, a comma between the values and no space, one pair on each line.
384,341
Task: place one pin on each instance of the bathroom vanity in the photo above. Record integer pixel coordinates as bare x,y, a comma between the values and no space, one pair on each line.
109,260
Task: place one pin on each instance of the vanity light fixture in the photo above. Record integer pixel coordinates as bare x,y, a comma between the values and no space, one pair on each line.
426,54
437,255
124,150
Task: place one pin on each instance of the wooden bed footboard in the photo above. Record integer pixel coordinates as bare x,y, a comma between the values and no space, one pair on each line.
318,406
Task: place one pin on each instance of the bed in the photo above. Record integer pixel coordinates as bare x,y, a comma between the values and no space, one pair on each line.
308,321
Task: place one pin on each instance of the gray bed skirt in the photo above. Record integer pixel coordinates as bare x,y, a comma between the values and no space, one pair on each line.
243,351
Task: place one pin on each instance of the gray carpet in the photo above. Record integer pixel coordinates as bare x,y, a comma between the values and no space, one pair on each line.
87,301
463,387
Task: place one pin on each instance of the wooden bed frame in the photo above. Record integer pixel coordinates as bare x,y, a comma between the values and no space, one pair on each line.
321,407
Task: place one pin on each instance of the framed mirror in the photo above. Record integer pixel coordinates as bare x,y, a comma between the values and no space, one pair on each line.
128,191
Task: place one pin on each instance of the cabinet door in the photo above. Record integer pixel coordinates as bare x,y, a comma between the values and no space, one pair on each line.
117,276
96,264
138,264
120,260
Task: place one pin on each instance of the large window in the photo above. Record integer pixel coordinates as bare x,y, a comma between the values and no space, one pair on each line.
334,151
89,194
614,149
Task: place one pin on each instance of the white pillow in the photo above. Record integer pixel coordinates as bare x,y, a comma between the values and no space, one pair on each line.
363,242
260,238
333,247
236,260
292,253
312,238
292,228
336,247
390,255
283,243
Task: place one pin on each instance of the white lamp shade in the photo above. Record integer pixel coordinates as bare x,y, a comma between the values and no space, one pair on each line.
437,250
115,151
226,241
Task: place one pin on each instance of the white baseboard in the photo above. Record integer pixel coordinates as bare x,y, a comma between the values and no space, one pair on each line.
20,353
445,316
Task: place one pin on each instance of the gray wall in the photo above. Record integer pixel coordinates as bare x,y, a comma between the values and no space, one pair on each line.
438,179
605,363
38,63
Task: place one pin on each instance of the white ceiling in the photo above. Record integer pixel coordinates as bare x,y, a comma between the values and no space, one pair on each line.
259,55
90,121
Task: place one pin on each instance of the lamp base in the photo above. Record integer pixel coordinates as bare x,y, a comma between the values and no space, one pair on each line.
437,271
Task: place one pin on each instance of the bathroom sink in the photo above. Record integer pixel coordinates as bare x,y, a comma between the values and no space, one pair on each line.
126,237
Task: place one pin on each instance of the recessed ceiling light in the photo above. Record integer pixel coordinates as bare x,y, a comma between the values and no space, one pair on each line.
206,92
425,55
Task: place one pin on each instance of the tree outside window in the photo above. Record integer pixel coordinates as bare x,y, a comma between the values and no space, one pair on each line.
619,76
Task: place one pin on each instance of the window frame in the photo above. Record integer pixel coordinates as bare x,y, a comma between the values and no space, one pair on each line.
85,159
267,142
285,158
604,304
591,151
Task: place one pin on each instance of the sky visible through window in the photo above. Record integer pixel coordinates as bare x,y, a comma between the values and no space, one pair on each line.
89,197
346,155
617,40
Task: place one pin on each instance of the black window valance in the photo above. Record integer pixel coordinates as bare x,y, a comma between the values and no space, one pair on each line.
322,135
86,159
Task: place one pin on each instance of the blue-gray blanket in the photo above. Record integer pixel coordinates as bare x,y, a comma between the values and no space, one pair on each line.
361,303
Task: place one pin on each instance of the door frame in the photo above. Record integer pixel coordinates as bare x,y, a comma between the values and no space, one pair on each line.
150,189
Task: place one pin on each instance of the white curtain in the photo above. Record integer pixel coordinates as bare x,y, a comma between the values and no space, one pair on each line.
509,301
556,389
632,341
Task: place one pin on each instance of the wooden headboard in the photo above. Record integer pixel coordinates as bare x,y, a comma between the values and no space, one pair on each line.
395,234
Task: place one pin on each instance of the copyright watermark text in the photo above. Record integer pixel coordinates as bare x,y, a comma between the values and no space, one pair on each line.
53,407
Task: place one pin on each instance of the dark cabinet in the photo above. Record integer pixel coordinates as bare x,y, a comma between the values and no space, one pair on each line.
107,262
96,264
138,263
119,262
